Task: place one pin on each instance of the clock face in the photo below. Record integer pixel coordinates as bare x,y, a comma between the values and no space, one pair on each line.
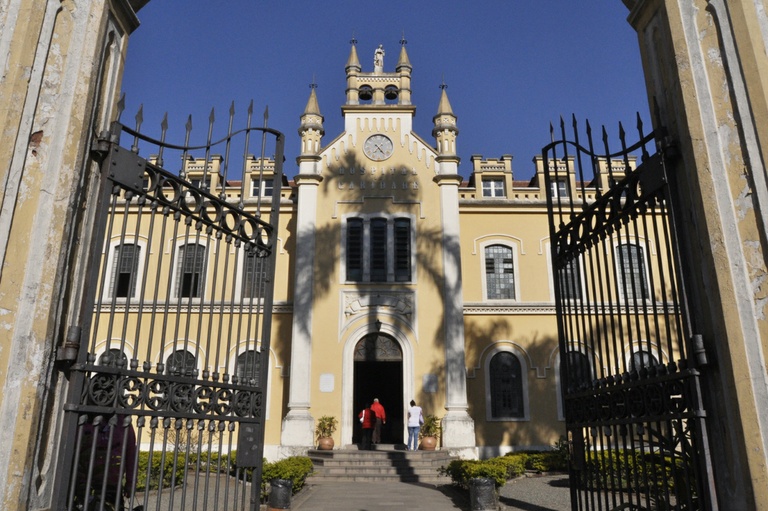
378,147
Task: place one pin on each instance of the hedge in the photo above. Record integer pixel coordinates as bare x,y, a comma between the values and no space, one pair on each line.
169,478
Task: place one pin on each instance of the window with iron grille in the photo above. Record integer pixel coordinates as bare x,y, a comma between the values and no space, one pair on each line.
633,285
190,271
493,187
125,270
506,380
113,357
499,273
247,367
254,276
578,370
378,249
641,359
181,363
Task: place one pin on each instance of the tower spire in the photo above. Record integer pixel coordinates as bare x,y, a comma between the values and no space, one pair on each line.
311,128
445,130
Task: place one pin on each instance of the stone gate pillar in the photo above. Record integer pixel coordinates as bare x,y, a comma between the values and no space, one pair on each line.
61,64
706,67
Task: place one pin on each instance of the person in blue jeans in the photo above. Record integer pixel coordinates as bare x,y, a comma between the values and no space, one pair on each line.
415,420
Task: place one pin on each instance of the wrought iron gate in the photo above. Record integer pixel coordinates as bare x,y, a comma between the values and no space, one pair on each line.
630,362
169,363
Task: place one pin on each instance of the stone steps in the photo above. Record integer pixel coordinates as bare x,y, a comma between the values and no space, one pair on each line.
382,464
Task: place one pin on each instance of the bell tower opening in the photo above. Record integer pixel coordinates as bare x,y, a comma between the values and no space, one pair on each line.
378,373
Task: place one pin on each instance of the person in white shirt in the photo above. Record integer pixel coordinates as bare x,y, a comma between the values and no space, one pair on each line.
415,420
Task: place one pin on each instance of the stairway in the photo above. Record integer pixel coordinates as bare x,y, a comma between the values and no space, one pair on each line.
384,463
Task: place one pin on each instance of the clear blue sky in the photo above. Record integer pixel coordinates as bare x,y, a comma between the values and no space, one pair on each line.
511,67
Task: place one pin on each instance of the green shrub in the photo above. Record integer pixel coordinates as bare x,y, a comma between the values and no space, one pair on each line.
169,478
461,471
514,465
630,470
210,462
295,468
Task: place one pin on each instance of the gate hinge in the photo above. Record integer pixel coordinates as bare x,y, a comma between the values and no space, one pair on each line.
100,146
68,350
699,353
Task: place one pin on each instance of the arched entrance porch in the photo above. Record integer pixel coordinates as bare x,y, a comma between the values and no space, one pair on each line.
378,373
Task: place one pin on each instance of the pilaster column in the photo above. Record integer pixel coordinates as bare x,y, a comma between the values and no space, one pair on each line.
458,426
298,425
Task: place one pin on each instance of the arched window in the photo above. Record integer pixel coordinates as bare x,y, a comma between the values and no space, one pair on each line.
578,371
506,382
190,271
641,359
114,357
248,367
499,273
631,270
181,363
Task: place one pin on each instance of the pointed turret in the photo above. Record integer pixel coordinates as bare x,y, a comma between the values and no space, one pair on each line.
353,69
445,130
311,129
403,61
353,61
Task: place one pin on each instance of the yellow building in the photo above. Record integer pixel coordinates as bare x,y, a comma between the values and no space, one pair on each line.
705,69
395,279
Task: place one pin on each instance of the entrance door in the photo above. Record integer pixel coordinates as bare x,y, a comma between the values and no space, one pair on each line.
379,374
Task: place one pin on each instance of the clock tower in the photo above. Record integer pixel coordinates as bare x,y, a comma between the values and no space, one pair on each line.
378,298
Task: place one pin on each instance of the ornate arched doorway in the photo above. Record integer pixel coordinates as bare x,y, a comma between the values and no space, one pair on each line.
378,373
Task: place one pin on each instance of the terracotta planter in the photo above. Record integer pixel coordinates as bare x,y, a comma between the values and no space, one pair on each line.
325,443
428,443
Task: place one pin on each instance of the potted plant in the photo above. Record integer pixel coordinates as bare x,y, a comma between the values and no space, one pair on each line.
429,433
326,426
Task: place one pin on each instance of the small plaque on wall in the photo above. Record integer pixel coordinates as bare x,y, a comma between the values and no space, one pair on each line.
430,383
327,382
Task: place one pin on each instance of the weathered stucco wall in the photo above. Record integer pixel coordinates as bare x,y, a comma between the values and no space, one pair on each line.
61,64
706,64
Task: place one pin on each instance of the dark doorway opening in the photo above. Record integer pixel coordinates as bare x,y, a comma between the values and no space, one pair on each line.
379,374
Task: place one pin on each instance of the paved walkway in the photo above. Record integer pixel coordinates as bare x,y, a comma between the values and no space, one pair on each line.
537,493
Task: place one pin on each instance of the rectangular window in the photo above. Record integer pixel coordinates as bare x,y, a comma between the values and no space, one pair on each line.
499,273
493,187
378,250
126,270
632,283
559,188
570,281
262,187
402,250
254,276
191,271
354,253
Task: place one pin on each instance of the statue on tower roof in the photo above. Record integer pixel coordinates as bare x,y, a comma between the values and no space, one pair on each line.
378,58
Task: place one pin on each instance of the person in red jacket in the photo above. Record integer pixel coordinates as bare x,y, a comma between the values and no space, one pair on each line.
368,420
381,418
